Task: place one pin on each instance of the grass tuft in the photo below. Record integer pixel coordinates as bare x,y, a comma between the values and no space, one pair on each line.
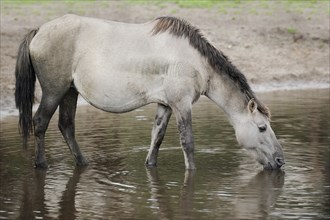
291,30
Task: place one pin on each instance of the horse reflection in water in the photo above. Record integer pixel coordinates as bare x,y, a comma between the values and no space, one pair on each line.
257,198
160,201
119,67
254,201
34,199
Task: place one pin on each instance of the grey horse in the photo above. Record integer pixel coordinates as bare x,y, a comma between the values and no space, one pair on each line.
118,67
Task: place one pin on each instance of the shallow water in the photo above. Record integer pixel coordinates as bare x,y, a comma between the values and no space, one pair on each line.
226,185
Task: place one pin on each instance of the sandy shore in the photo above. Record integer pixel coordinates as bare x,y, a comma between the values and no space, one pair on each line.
277,45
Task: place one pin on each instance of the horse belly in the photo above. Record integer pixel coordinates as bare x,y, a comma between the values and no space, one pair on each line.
118,93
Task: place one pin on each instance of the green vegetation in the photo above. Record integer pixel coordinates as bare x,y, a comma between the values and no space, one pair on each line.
292,30
291,5
222,6
187,3
199,4
42,1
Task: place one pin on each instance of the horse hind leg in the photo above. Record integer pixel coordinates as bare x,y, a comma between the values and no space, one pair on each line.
41,119
66,124
158,132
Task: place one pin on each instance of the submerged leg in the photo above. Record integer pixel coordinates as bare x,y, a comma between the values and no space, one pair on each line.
158,132
41,120
184,122
66,124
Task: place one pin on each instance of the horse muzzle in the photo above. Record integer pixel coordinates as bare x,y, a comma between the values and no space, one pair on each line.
279,162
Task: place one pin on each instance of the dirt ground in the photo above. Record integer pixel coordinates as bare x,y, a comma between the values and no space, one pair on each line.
276,44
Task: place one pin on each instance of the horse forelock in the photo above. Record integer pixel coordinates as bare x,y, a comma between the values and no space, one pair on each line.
216,59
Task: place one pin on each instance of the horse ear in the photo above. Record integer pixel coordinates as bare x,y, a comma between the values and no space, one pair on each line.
252,106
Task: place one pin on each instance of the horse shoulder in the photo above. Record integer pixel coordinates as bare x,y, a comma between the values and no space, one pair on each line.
182,82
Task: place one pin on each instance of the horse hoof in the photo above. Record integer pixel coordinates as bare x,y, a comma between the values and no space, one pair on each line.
41,165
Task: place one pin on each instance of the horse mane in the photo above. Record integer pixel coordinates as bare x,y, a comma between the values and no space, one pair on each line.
217,60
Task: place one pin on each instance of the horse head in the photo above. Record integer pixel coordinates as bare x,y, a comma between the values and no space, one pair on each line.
254,133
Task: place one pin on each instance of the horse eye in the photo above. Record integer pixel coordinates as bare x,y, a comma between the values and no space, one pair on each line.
262,128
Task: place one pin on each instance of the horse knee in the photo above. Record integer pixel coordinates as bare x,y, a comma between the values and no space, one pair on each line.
188,148
159,119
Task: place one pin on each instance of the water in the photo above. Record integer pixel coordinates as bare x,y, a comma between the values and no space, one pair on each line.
226,185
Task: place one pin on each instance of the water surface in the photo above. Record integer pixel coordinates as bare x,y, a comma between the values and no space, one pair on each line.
226,185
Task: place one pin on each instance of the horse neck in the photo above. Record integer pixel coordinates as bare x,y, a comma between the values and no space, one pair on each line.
227,96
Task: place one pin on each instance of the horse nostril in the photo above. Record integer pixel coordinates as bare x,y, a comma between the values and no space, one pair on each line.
279,161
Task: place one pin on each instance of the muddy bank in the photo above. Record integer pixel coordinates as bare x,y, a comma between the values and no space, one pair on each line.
276,45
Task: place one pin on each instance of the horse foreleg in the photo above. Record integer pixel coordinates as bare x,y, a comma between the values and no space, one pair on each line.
184,122
66,124
158,132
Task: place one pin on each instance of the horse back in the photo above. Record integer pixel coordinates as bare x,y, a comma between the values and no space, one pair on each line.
62,46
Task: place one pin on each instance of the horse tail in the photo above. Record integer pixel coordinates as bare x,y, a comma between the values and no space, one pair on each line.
25,85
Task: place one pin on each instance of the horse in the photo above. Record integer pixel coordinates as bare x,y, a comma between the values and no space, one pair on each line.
118,67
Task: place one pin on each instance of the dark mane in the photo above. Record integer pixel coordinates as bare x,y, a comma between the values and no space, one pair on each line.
217,60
